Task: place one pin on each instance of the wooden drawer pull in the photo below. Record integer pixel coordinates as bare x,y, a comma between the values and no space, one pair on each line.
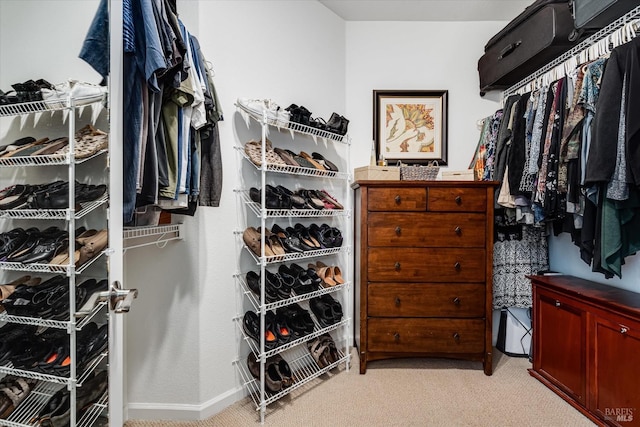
398,230
456,337
557,303
458,200
397,266
397,301
624,330
396,336
457,266
456,301
398,199
458,230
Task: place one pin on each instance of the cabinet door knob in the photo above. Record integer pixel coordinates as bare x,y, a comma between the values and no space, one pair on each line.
397,266
458,230
398,199
396,336
456,301
623,330
458,200
457,266
557,303
397,301
456,336
398,230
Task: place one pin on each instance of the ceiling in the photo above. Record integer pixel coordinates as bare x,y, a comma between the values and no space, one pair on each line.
427,10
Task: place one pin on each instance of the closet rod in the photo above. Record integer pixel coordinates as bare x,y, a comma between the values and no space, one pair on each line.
605,32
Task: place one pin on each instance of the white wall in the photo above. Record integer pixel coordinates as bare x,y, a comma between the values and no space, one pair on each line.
418,56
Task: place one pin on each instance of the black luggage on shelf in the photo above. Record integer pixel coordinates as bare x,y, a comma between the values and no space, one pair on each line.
596,14
535,37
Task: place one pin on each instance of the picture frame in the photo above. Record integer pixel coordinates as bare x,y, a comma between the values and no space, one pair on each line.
410,126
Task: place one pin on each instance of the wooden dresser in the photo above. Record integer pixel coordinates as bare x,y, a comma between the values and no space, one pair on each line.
586,342
423,270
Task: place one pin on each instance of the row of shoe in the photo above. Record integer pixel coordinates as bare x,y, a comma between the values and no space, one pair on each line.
280,197
49,352
56,411
31,297
323,350
291,322
294,280
337,123
277,372
50,245
293,114
88,141
286,157
28,91
54,195
297,239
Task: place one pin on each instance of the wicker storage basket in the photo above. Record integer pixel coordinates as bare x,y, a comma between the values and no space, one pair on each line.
420,173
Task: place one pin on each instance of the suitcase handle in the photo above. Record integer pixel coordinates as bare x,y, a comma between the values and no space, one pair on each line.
508,50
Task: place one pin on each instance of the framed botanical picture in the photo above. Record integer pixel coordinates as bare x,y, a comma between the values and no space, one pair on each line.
410,125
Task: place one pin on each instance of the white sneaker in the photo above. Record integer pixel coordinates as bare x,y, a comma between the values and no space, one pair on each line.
83,93
275,114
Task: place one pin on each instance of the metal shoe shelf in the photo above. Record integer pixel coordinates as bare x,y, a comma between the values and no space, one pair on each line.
38,398
48,384
295,352
303,368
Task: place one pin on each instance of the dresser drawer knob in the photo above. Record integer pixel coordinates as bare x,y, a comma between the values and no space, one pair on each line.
397,266
624,330
396,336
398,230
456,301
456,336
398,199
458,230
457,266
397,301
458,200
557,303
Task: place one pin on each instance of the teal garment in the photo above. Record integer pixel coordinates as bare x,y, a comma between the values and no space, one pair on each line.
620,236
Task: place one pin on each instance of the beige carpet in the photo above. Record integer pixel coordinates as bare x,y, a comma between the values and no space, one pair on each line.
410,392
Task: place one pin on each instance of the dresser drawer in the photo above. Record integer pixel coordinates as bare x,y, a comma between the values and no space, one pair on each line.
426,229
426,300
397,199
450,199
426,335
406,264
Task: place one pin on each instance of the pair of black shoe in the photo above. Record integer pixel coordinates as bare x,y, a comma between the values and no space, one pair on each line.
326,236
337,124
299,114
28,91
276,289
287,281
278,197
327,310
57,410
53,195
32,245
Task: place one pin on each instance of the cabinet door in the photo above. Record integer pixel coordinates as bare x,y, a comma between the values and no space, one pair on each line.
559,348
616,391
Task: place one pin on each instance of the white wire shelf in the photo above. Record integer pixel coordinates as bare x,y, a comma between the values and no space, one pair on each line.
317,331
49,323
53,213
45,160
303,369
295,127
297,170
256,208
22,108
255,299
38,398
49,268
8,368
297,255
137,237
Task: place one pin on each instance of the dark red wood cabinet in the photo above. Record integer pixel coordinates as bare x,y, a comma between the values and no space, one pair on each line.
586,346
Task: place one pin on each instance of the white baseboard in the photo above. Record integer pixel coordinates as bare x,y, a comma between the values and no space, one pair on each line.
183,412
